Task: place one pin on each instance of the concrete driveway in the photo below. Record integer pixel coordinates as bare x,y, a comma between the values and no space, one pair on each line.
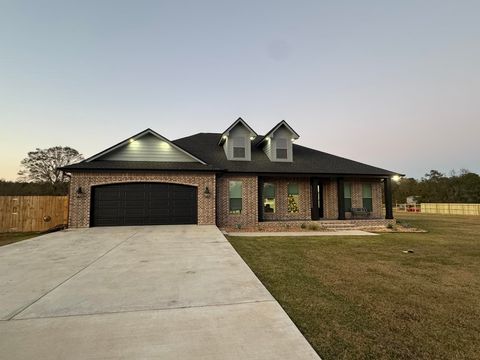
164,292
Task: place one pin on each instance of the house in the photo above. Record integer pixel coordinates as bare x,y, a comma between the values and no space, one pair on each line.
235,179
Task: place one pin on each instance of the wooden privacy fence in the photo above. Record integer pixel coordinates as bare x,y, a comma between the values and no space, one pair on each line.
32,213
450,209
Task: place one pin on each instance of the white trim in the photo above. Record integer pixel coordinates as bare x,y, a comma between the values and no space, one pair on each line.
227,132
283,122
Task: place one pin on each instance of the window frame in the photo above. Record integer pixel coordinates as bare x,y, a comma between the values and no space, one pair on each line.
369,201
240,209
273,200
347,201
242,147
296,197
278,147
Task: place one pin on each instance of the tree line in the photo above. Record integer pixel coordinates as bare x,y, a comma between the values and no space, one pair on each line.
436,187
22,188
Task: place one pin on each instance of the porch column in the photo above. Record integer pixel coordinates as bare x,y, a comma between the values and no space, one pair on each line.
341,198
387,184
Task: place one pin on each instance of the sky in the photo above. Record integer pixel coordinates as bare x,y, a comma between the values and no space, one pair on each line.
395,84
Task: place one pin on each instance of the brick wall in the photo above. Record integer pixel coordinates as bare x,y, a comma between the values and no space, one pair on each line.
249,215
79,213
330,210
357,197
331,203
79,206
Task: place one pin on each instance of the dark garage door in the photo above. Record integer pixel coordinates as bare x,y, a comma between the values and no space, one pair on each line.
143,204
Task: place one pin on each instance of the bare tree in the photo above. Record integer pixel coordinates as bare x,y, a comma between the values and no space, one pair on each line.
42,165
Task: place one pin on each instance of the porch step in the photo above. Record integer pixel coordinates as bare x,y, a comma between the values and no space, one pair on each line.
338,226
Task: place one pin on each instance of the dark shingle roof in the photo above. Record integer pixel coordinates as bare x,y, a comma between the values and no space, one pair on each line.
305,160
205,146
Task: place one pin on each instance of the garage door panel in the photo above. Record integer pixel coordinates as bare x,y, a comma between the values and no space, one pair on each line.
160,212
143,204
110,196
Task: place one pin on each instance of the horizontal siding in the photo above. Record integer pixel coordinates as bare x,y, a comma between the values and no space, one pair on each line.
148,148
268,149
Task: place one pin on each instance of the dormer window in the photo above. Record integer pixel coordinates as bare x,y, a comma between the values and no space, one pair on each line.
277,143
236,141
239,147
282,148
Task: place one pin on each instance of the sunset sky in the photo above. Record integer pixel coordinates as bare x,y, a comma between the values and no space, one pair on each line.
394,84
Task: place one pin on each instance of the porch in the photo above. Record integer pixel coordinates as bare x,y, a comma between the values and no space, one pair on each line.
301,203
355,199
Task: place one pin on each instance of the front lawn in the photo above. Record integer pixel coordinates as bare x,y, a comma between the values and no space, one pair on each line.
9,238
363,298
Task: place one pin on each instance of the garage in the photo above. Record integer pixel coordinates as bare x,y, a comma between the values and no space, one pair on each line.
143,204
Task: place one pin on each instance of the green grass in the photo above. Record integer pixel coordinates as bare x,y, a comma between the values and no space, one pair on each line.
9,238
363,298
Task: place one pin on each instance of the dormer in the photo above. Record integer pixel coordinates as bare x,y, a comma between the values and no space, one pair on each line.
236,141
277,143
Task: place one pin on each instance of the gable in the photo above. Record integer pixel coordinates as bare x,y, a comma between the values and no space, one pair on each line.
279,139
239,123
147,148
239,135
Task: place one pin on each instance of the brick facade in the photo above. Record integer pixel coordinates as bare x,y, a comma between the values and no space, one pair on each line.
248,219
281,199
214,209
79,206
249,215
330,203
357,197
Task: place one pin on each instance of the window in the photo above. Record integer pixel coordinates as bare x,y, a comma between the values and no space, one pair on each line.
282,148
239,147
367,196
269,198
293,197
348,196
235,197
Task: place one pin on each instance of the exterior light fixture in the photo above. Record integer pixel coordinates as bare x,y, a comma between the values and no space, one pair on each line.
224,137
293,139
207,192
252,137
396,178
131,140
80,192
